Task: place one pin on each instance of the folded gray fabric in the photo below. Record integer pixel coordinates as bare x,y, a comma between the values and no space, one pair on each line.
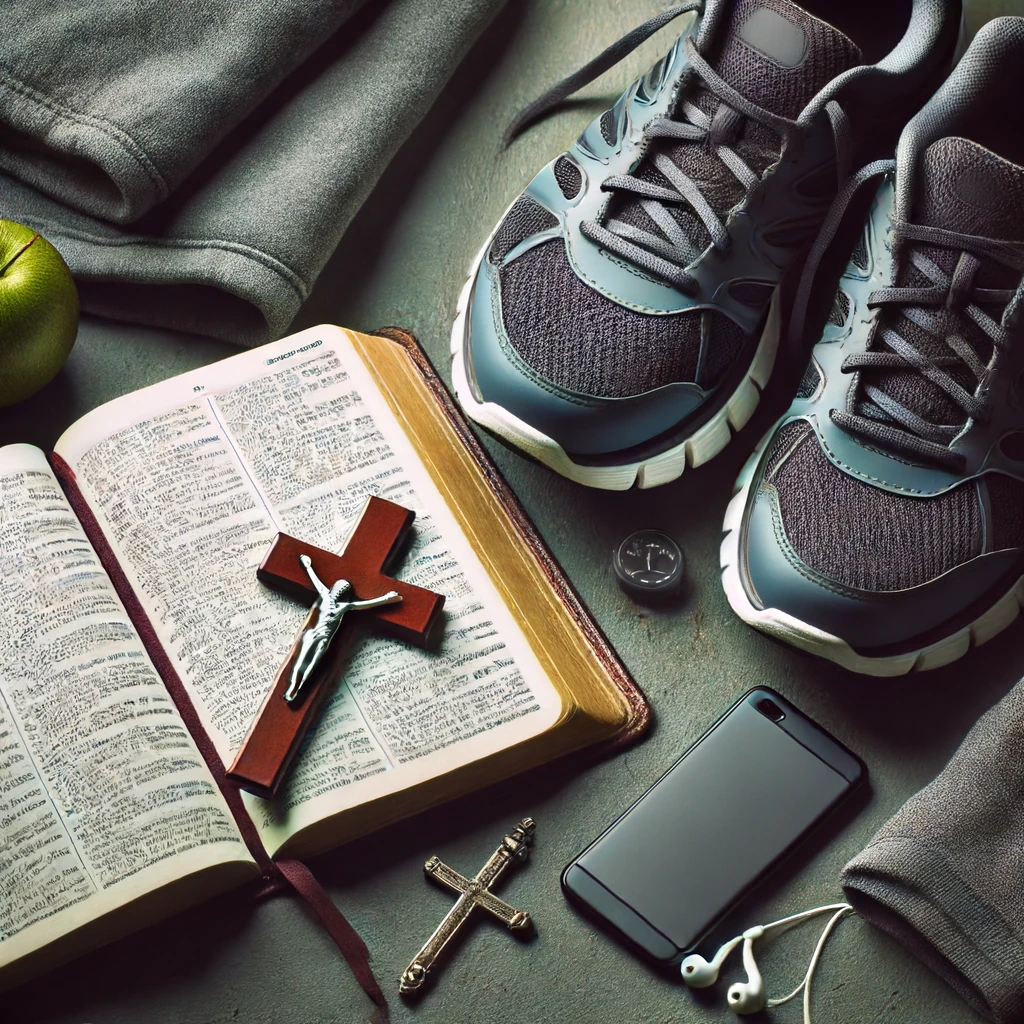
111,104
249,136
945,876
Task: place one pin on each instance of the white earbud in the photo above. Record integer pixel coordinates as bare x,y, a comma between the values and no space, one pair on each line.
698,973
748,996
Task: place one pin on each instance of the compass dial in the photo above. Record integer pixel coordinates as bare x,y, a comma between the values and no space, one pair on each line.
649,563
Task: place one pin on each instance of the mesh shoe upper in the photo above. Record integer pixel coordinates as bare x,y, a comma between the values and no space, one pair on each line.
775,55
862,536
527,217
872,538
620,352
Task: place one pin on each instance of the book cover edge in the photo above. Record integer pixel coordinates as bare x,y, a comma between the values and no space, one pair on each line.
640,715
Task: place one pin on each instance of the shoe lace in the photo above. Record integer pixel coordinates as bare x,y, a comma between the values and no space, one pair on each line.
945,309
668,257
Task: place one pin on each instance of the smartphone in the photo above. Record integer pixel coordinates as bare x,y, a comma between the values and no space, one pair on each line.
727,812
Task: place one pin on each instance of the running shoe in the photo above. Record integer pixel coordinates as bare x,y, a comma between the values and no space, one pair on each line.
881,522
622,318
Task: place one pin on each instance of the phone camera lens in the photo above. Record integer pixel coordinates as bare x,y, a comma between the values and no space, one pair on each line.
770,709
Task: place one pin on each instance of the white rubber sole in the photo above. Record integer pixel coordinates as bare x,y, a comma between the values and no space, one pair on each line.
800,634
701,446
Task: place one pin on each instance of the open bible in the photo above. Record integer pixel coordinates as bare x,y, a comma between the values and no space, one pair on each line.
138,645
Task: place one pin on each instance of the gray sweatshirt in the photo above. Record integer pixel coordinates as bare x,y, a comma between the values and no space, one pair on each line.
195,163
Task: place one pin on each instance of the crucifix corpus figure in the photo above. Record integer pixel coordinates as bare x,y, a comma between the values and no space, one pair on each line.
332,607
316,657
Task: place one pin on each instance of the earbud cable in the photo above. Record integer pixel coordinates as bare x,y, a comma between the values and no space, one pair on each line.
841,910
833,921
787,922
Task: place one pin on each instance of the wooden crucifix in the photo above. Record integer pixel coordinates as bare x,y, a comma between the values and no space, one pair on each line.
342,585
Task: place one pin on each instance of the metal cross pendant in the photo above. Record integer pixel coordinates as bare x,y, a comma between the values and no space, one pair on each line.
473,892
305,680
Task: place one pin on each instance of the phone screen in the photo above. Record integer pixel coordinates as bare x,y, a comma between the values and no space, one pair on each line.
704,833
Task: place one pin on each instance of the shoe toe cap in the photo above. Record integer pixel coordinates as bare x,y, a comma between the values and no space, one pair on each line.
524,354
885,574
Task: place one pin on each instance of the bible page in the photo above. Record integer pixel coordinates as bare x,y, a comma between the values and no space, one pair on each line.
192,479
103,795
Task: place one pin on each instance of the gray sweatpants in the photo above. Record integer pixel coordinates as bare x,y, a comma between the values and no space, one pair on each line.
945,875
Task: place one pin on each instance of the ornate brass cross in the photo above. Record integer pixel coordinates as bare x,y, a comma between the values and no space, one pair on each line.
474,892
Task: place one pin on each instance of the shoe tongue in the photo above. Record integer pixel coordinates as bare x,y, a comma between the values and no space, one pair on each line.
778,56
967,188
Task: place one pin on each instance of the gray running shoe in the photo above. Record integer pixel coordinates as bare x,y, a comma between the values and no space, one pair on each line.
623,317
881,522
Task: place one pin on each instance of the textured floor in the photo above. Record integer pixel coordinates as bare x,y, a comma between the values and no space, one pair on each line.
403,263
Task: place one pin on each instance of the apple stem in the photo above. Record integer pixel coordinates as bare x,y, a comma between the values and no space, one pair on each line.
6,266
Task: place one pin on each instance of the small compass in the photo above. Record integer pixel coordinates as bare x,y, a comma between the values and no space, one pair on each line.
649,564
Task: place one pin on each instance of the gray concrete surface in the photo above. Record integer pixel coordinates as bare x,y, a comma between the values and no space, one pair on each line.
403,262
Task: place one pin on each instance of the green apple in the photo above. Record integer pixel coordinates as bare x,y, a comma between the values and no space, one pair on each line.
38,312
